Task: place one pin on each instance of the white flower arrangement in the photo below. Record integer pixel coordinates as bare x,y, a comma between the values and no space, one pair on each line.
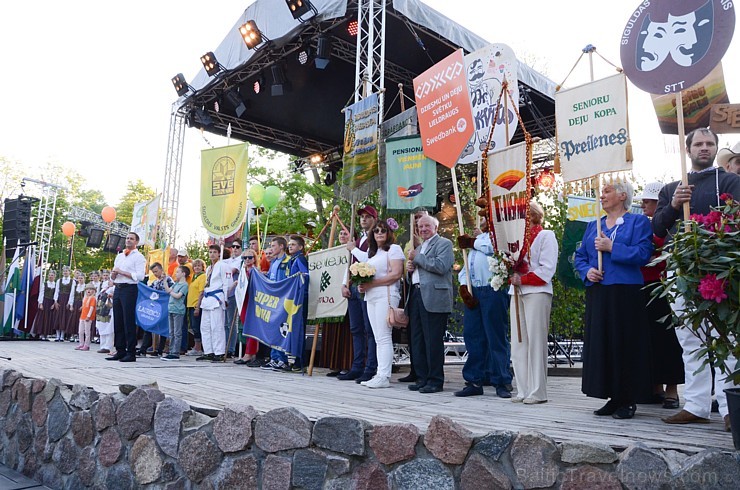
361,272
499,264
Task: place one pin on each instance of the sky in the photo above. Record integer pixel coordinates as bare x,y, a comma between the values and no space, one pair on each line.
86,85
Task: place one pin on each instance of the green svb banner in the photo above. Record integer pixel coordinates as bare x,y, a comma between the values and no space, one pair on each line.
411,176
223,189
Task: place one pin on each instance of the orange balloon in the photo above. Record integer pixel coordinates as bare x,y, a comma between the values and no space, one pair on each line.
108,213
68,229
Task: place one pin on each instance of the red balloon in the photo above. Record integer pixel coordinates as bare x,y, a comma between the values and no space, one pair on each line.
108,213
68,229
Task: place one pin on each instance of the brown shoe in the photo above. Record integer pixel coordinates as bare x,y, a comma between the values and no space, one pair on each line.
684,417
728,427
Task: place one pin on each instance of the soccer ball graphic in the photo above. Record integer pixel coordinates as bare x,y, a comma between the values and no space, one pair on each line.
284,329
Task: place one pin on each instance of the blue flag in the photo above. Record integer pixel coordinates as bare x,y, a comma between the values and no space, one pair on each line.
151,310
275,312
25,285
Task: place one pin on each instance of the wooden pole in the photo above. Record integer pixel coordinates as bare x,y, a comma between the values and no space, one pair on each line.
682,146
596,184
460,225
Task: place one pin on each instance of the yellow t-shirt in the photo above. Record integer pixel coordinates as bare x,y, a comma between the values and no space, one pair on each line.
196,287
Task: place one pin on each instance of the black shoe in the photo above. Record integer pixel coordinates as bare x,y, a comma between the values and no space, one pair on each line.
364,377
255,363
416,387
470,390
333,374
205,357
220,358
509,387
128,358
430,389
240,362
715,406
411,378
608,409
502,392
625,412
671,403
349,376
116,357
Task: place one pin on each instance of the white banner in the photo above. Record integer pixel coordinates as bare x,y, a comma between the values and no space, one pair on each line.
508,180
144,221
326,269
592,129
486,69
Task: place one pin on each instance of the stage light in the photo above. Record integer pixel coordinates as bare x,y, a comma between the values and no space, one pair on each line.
298,7
199,118
317,158
233,98
280,84
257,86
352,28
96,238
303,56
251,34
323,52
211,65
181,86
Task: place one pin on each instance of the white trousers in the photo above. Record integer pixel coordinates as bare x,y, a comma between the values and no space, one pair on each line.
698,387
212,331
106,341
529,356
377,311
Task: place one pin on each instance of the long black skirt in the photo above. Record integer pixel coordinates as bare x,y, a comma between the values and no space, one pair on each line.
616,347
666,355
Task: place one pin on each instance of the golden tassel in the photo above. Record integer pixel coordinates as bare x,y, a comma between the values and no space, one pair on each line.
556,162
628,150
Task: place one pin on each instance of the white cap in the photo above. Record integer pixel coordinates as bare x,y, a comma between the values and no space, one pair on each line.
651,191
725,154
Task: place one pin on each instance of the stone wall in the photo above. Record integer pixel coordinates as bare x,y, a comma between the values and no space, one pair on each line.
140,438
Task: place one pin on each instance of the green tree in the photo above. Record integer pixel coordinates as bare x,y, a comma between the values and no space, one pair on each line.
136,191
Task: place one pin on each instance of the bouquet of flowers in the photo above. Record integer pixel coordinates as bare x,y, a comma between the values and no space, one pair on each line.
706,261
361,272
500,264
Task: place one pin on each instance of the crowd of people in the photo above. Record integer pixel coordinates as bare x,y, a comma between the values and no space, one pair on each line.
630,356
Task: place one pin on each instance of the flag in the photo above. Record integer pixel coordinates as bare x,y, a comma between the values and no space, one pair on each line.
360,158
326,269
27,277
11,287
274,315
144,221
411,176
151,310
223,189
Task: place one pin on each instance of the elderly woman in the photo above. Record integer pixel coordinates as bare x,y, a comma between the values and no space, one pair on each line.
380,294
616,348
529,356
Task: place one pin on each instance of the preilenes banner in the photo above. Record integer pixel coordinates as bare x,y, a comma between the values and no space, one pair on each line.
592,128
151,310
411,176
223,189
326,269
360,173
508,180
274,313
144,221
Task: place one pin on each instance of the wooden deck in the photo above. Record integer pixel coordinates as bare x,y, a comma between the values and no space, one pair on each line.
567,416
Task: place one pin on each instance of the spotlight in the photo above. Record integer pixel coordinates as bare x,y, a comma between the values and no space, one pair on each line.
298,7
280,84
303,56
352,28
257,86
232,97
199,118
323,52
181,86
251,34
211,65
317,158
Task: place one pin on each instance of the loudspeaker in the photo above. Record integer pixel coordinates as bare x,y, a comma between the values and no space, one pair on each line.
16,223
96,238
113,243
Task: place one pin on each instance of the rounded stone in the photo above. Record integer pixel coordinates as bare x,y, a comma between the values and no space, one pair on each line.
57,419
493,444
198,456
535,460
276,472
341,434
104,413
241,473
82,428
41,446
392,443
589,477
309,468
481,474
167,422
66,455
87,466
39,411
109,447
135,414
281,429
83,397
423,473
447,440
641,468
146,461
232,428
24,433
22,393
369,476
119,477
586,452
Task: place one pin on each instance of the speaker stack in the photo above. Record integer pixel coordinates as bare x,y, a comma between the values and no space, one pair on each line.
16,223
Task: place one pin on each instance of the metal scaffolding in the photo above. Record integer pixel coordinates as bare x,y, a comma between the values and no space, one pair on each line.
45,215
81,214
370,54
172,173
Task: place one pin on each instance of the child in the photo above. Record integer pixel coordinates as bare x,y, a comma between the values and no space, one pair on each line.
104,317
87,315
178,292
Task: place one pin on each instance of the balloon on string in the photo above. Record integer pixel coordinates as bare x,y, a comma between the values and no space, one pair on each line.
108,214
257,194
272,197
68,228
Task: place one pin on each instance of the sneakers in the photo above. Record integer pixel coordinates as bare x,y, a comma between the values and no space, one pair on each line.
255,363
349,376
205,357
278,366
296,369
377,382
170,357
194,353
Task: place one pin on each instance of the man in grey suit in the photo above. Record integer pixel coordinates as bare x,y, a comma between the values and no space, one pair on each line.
430,305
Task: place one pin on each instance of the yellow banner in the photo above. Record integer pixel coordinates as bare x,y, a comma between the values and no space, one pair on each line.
223,189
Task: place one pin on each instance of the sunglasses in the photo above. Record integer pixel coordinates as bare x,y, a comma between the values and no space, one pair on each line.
380,231
250,257
236,246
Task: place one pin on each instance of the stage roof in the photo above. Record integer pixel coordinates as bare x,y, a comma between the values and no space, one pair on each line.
308,118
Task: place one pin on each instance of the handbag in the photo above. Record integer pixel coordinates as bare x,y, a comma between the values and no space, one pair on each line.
397,317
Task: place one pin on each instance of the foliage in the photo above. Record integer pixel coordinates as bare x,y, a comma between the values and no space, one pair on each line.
136,191
706,261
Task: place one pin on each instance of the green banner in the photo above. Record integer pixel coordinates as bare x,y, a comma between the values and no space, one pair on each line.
223,189
360,159
411,176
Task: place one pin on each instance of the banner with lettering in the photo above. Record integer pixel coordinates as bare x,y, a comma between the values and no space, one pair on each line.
697,103
144,221
274,313
360,171
509,183
592,129
411,177
223,189
326,270
404,124
443,104
151,310
487,69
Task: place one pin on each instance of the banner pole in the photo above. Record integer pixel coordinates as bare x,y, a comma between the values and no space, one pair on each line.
682,146
460,226
597,183
505,88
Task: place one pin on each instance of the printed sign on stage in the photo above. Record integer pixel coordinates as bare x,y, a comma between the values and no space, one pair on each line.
404,124
591,122
486,70
274,312
151,310
411,176
360,158
144,221
443,105
326,269
223,189
508,180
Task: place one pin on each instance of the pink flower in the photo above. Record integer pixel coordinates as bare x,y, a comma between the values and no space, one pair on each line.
713,218
699,218
712,289
392,224
726,196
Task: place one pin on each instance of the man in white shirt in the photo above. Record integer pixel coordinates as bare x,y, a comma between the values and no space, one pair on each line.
128,269
213,307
